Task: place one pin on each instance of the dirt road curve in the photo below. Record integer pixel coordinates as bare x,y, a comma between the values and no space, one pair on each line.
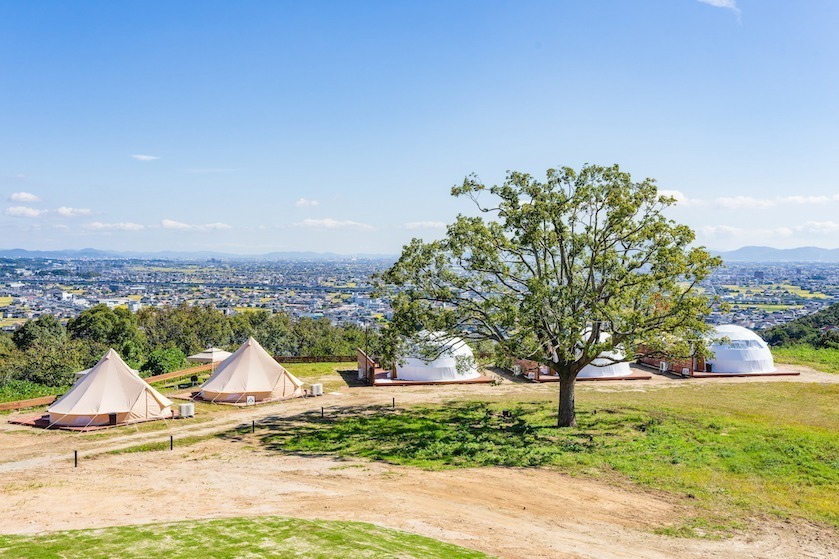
508,513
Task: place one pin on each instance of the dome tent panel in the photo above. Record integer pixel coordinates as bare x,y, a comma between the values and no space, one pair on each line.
743,351
454,361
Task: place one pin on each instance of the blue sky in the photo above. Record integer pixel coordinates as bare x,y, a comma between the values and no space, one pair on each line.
249,127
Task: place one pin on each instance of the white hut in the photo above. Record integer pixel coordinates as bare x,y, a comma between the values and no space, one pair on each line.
109,393
454,362
744,352
608,364
250,372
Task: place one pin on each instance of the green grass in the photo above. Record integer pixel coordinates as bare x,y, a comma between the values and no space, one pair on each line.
13,390
275,537
821,359
772,308
6,301
729,451
326,373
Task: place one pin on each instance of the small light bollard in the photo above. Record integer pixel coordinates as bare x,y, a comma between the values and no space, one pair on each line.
75,458
253,426
171,442
321,411
393,404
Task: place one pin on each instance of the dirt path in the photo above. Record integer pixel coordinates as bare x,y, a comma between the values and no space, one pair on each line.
506,512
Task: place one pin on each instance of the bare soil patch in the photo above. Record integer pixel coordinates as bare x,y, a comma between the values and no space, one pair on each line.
515,513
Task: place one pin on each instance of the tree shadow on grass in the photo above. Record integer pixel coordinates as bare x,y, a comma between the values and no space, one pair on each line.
351,378
461,434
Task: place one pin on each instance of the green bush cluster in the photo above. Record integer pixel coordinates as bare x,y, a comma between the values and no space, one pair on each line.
154,340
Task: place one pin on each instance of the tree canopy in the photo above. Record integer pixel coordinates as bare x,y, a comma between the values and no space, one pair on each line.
558,271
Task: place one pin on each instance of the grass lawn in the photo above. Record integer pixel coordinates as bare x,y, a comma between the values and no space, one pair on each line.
727,451
326,373
821,359
274,537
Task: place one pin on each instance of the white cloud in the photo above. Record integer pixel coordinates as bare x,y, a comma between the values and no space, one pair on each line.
73,212
728,4
306,203
121,226
743,202
23,211
425,225
180,226
141,157
172,224
819,227
329,223
24,197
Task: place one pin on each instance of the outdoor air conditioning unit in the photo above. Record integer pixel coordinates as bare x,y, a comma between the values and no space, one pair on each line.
663,367
685,372
317,389
531,376
516,369
186,410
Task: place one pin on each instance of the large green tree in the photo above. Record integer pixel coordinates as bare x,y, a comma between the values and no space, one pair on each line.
558,271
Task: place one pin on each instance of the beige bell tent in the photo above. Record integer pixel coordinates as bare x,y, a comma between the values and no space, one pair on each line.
110,393
250,371
210,355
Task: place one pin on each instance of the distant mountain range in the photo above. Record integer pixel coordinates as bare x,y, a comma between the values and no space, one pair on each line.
745,254
95,254
769,254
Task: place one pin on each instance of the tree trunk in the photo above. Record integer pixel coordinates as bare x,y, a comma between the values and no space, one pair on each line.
567,416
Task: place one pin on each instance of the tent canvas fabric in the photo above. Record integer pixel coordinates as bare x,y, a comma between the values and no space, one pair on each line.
604,367
456,362
109,387
607,364
210,355
250,371
745,352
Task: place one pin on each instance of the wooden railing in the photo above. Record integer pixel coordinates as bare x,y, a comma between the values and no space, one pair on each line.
315,358
31,403
178,374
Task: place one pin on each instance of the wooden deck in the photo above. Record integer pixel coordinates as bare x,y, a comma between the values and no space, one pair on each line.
40,422
382,380
697,374
636,375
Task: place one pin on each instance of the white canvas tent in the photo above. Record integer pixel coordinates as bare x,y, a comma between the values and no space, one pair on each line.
210,355
607,364
455,362
110,392
745,351
250,371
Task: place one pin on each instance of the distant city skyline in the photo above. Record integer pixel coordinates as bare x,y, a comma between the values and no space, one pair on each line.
257,127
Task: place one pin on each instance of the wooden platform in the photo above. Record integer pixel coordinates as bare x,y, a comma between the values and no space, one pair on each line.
637,375
196,397
38,421
382,380
698,374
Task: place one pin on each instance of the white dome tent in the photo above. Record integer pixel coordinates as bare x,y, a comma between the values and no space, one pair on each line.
608,364
455,362
744,352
